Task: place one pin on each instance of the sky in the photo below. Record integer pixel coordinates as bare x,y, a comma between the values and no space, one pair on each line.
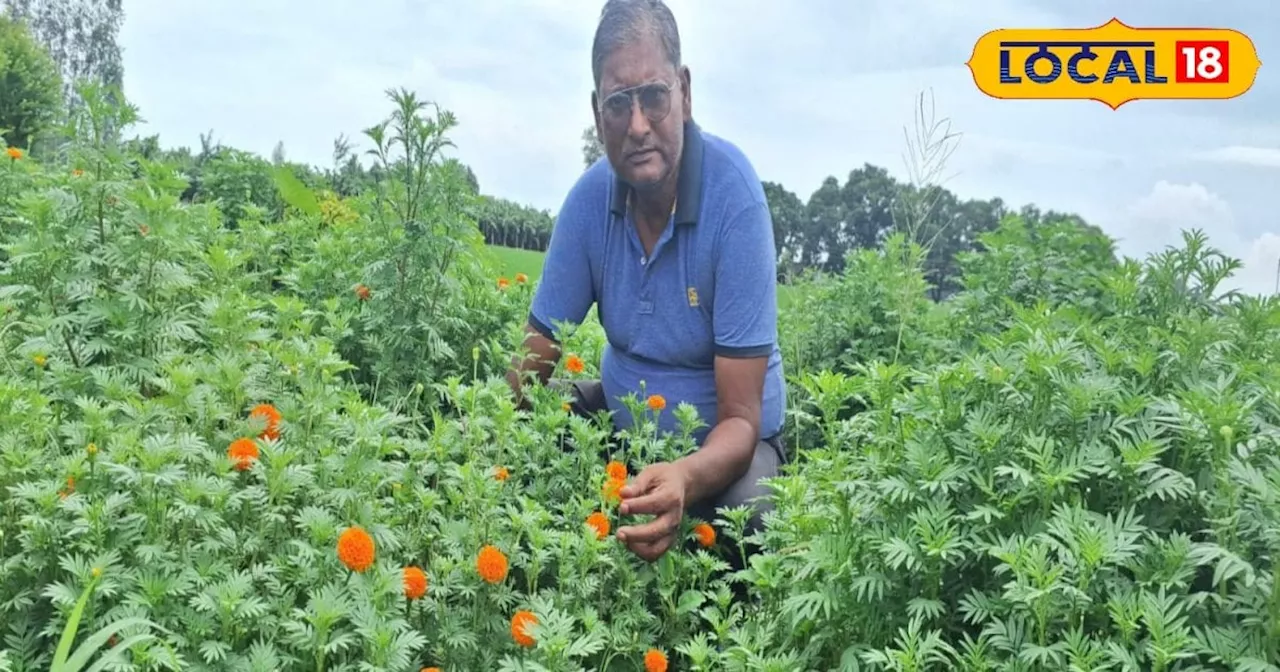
808,89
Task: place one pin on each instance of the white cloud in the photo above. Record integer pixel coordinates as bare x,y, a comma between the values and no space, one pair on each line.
1264,157
1156,221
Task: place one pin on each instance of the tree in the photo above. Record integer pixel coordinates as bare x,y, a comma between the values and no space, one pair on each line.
30,88
592,148
80,36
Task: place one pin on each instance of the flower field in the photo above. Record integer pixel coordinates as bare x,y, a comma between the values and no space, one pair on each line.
283,441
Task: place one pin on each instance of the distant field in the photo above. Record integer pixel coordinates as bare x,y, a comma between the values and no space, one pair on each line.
511,261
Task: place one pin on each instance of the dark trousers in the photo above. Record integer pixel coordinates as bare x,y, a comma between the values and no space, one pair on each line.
770,455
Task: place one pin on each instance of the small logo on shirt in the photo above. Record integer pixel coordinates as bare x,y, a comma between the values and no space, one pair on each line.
693,297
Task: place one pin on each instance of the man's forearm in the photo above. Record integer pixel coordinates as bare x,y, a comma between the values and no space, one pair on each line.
723,458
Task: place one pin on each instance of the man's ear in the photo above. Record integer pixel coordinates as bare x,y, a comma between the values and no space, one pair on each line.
686,91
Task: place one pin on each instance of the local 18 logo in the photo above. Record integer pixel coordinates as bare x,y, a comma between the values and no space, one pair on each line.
1114,63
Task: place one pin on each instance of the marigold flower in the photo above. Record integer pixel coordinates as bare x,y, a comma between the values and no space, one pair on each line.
430,669
356,549
244,451
77,172
362,292
268,413
655,661
415,583
39,360
705,533
14,153
600,522
566,407
501,473
491,564
574,364
503,283
657,402
519,631
92,448
616,470
521,278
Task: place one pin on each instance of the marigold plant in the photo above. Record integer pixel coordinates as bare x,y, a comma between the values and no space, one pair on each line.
655,661
268,414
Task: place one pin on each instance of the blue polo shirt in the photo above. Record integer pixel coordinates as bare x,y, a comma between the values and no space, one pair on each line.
709,288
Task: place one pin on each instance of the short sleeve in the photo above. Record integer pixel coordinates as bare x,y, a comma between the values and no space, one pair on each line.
565,291
745,307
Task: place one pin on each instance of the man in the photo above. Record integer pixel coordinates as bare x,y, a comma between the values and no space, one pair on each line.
669,235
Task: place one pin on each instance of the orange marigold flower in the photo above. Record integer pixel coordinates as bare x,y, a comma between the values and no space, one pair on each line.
14,153
430,669
362,292
600,522
655,661
657,402
77,172
355,549
705,533
268,413
521,278
519,631
501,473
616,470
244,451
491,563
415,583
574,364
503,283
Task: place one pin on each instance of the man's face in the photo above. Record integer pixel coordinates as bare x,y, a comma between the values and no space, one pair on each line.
638,85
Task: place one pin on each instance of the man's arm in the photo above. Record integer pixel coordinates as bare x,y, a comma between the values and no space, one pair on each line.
730,446
542,355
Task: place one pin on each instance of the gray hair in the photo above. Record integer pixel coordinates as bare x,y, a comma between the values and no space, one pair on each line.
624,22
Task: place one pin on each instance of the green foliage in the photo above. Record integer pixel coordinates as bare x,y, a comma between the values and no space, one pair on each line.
30,86
1074,463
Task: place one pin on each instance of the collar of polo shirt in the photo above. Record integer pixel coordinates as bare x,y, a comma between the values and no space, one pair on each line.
688,185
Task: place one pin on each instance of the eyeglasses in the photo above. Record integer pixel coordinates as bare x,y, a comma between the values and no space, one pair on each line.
655,102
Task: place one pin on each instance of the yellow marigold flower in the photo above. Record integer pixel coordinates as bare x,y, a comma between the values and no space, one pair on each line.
705,533
616,470
244,451
600,522
657,402
272,416
491,564
40,360
503,283
92,448
501,473
574,364
655,661
96,571
415,583
521,278
566,407
356,549
519,624
14,153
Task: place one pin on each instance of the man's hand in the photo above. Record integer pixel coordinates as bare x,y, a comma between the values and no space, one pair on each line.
661,490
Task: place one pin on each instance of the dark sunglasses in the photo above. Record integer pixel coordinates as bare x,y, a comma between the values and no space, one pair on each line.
654,98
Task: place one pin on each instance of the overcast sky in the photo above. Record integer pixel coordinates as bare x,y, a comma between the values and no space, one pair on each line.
808,89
